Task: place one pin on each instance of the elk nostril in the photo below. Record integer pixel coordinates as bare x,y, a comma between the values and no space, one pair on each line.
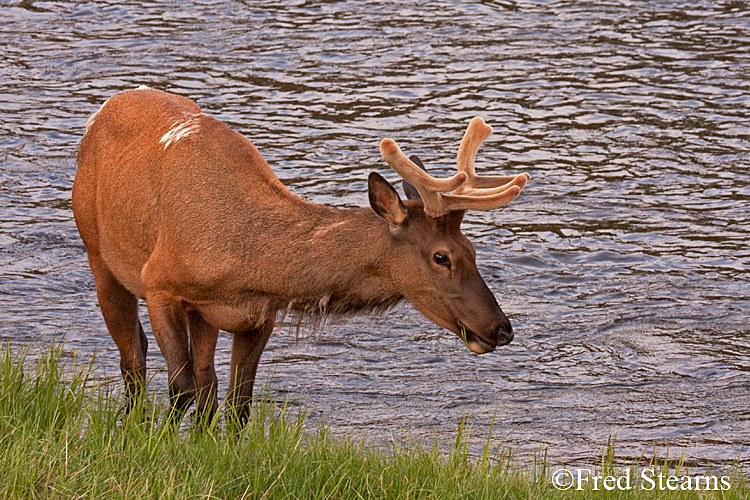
504,332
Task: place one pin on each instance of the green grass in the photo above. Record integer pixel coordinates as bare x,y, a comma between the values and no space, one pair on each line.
63,434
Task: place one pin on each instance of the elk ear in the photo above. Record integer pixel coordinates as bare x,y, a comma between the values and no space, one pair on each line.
385,201
455,217
409,190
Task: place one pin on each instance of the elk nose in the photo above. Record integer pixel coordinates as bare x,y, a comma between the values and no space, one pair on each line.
504,332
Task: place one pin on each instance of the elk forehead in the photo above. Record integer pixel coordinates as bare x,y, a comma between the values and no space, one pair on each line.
450,227
190,124
431,230
448,224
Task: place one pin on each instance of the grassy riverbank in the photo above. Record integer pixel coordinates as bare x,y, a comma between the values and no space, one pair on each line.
63,435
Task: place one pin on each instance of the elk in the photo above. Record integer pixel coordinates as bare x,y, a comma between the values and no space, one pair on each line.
176,208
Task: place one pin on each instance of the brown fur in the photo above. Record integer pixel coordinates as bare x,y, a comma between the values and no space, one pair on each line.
177,209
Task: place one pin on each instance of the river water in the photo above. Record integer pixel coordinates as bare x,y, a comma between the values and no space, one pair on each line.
624,265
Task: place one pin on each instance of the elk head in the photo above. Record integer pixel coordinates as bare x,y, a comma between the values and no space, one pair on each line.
441,278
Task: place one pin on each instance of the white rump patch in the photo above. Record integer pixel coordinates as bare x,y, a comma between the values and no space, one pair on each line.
92,118
180,130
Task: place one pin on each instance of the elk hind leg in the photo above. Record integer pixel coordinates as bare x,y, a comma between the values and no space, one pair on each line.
120,311
169,321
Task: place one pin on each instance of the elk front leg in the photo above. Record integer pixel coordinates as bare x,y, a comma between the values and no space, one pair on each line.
246,350
169,321
203,337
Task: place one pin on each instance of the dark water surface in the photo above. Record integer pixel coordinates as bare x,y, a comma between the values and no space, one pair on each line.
624,266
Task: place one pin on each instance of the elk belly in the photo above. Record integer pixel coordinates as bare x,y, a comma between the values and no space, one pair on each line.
233,318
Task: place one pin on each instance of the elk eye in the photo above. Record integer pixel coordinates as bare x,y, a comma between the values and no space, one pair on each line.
441,259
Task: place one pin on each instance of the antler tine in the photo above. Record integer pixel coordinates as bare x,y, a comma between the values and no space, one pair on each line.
479,199
467,190
476,133
429,187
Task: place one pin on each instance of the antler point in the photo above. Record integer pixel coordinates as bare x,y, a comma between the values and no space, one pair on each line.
465,190
388,146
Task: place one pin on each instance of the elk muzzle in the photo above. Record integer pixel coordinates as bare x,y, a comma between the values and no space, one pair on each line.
501,334
481,323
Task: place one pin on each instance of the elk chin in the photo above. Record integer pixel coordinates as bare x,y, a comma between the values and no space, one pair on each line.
474,342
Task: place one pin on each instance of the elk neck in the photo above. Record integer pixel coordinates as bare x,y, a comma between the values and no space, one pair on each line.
324,261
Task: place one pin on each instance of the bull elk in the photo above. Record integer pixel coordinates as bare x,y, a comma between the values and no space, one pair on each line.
176,208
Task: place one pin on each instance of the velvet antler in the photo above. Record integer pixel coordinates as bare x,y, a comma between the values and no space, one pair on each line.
465,190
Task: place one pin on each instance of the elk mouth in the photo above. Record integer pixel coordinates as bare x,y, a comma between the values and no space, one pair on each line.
474,342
